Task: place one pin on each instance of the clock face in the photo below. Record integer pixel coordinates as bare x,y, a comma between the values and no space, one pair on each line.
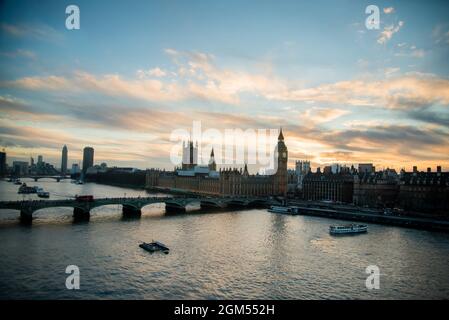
284,154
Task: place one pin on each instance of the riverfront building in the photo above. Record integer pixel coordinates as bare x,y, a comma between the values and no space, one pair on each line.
424,191
376,189
336,187
207,180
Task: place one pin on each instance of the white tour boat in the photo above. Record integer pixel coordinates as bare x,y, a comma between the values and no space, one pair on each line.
348,229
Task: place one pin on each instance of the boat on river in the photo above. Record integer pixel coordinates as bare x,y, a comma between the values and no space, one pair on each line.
41,193
155,246
284,210
24,189
348,229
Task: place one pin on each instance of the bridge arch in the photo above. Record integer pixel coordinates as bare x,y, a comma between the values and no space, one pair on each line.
153,204
176,205
213,204
130,207
258,202
55,207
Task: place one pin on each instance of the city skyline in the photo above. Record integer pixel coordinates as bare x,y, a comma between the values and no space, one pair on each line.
294,165
344,94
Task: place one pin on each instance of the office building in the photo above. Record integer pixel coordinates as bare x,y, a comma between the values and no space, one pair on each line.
88,158
64,160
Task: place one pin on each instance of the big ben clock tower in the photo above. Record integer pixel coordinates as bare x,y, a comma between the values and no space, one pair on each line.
282,159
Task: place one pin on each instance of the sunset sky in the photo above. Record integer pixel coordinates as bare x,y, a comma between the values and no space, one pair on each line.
137,70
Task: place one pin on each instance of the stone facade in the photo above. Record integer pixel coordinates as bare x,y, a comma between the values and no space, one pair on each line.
376,189
337,187
424,191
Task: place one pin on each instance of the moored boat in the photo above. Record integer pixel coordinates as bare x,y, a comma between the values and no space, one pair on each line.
284,210
348,229
154,246
26,189
42,194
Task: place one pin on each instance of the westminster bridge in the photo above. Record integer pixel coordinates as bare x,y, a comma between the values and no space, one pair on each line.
38,177
57,178
132,206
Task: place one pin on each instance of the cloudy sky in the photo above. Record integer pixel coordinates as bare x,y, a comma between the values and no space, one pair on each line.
137,70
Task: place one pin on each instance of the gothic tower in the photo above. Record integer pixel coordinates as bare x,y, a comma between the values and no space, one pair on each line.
280,179
191,152
189,155
212,164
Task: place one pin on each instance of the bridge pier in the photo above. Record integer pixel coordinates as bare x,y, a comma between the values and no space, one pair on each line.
131,211
80,214
237,205
26,216
173,208
35,179
212,206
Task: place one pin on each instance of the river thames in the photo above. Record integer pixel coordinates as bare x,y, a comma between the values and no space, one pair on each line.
248,254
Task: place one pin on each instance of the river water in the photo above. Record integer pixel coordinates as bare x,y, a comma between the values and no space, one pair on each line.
249,254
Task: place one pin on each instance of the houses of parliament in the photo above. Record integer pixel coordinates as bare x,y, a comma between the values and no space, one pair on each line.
192,177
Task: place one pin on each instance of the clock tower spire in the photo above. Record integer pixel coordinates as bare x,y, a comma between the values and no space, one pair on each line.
282,159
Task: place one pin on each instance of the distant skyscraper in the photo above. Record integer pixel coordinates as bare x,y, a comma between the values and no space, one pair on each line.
88,158
40,159
64,160
2,164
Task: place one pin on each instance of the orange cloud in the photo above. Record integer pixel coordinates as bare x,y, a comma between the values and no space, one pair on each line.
408,91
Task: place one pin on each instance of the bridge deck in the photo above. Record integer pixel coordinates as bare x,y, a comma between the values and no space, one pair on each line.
135,203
